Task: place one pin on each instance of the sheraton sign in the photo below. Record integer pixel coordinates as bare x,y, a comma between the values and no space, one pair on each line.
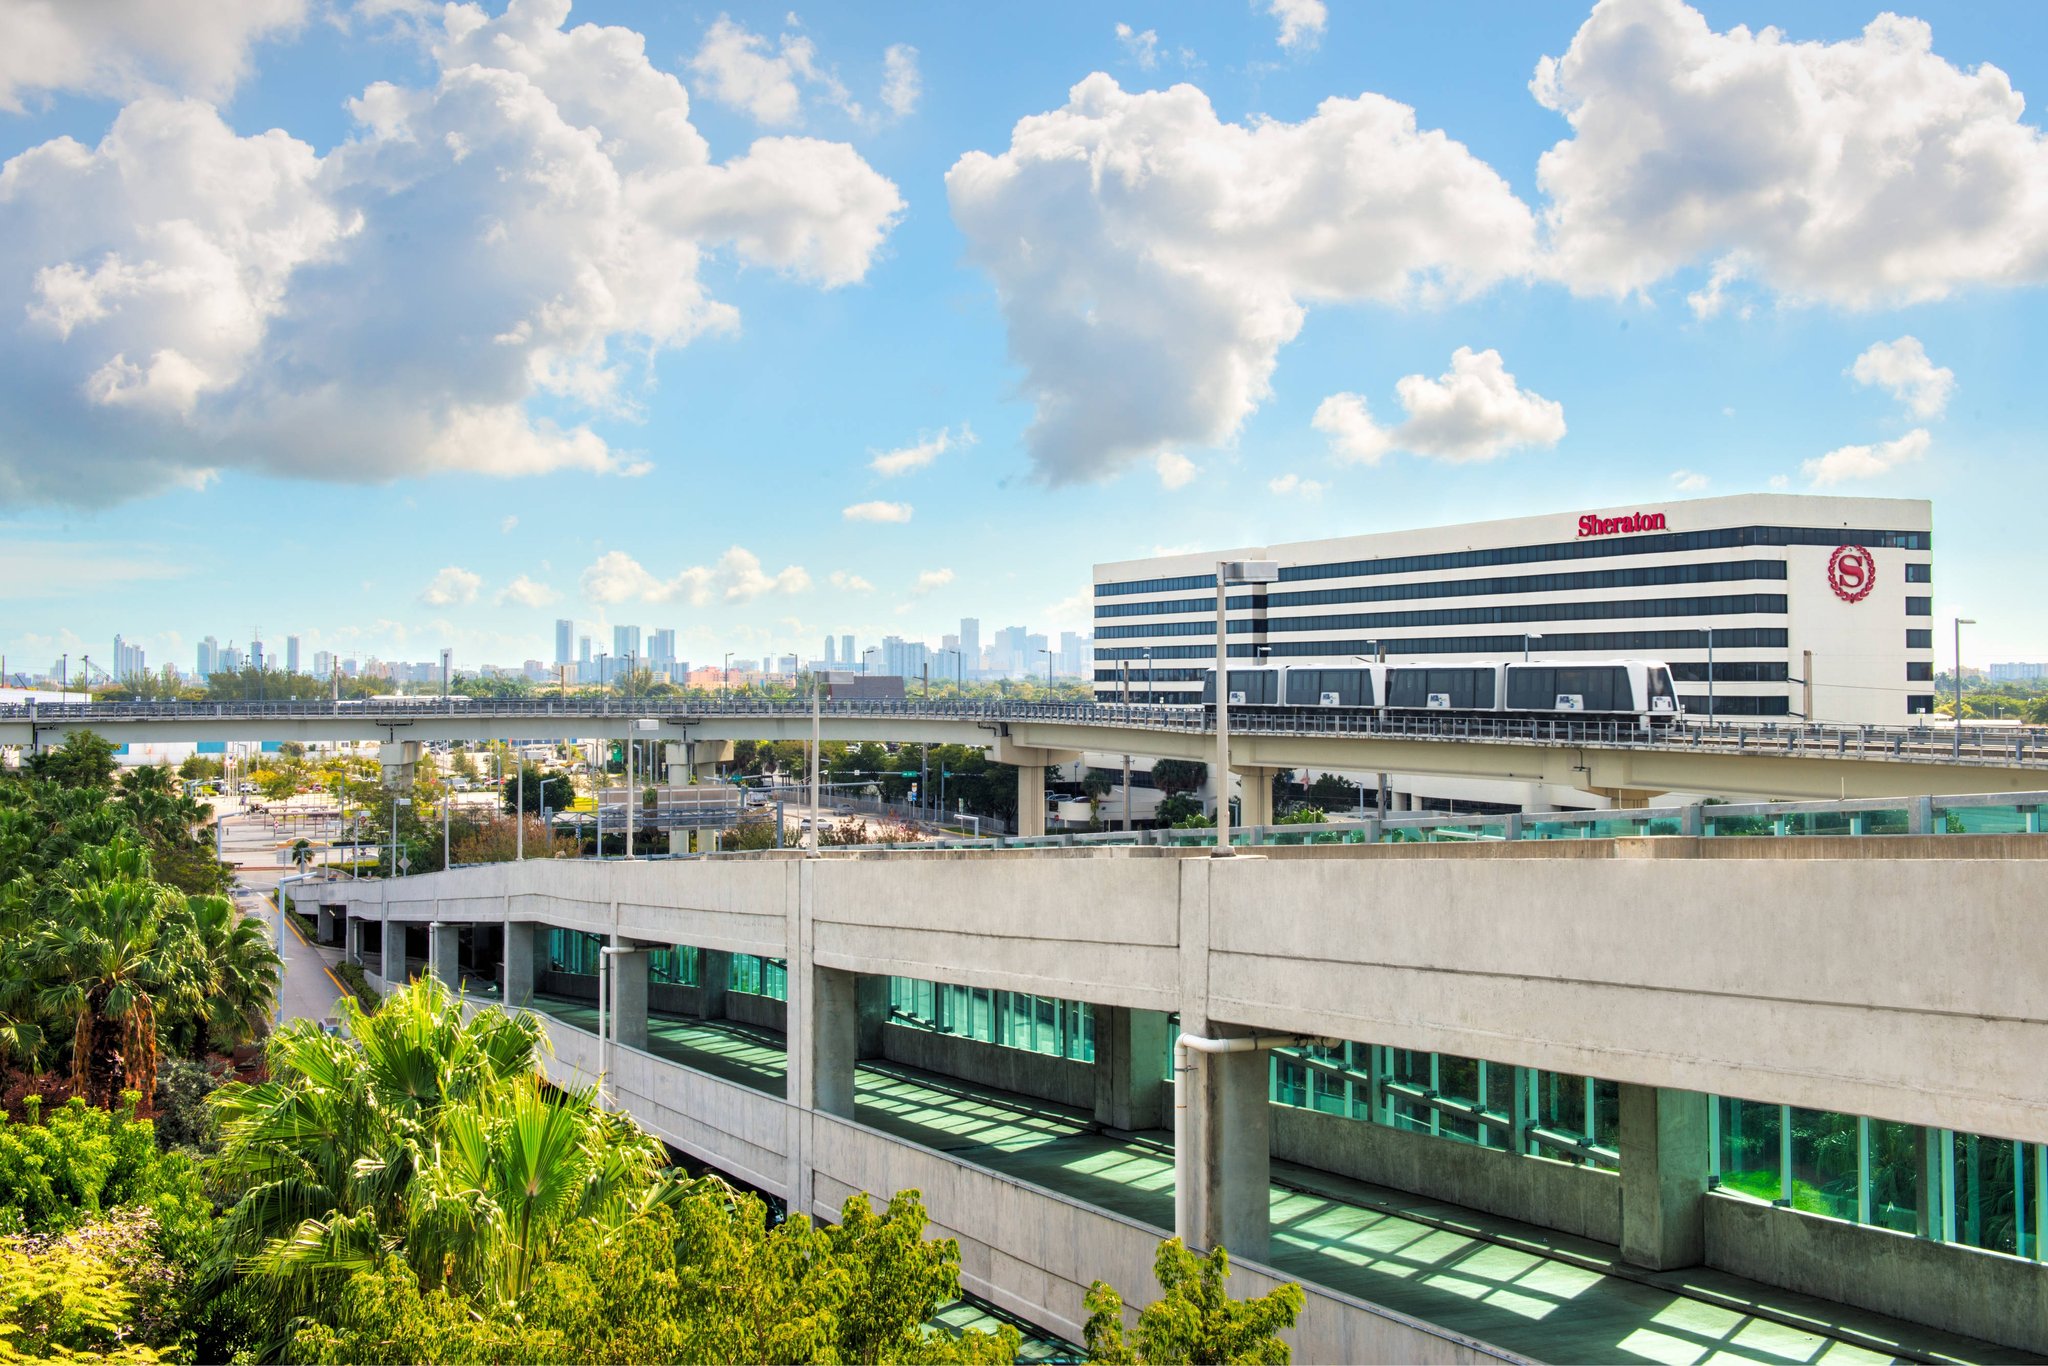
1594,525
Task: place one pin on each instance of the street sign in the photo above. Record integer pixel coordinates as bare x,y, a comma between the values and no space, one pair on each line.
405,863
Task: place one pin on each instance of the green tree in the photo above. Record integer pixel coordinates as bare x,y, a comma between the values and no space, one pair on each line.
1333,793
1176,776
1194,1320
83,760
550,791
1178,810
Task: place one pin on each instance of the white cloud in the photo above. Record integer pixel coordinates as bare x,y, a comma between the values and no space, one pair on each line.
1151,260
742,70
452,587
529,226
1295,484
1779,481
123,48
877,511
1865,462
507,523
1473,411
901,83
617,577
1687,481
851,583
889,464
1904,371
1859,173
1301,21
1175,470
1141,48
930,580
524,592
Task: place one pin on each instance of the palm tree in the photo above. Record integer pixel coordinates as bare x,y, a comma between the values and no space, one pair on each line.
242,970
301,854
104,969
420,1134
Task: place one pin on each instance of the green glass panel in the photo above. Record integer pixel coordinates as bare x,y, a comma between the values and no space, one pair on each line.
1824,1163
1749,1148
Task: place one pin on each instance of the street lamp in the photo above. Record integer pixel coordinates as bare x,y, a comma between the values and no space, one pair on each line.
871,650
396,802
726,686
1229,572
1048,668
1960,623
1528,636
1709,634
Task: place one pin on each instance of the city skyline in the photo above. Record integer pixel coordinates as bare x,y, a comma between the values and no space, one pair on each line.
944,423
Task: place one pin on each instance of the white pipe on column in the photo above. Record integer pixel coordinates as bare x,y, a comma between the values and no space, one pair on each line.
1183,1149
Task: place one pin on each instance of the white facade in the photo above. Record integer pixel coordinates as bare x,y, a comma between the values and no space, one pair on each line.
1776,578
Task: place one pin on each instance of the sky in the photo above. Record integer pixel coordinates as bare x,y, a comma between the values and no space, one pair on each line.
397,326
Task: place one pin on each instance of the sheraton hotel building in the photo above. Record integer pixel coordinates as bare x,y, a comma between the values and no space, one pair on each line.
1814,607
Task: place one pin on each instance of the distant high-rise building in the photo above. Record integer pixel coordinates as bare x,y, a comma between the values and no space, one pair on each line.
583,649
291,655
565,641
256,654
661,651
846,654
625,645
831,647
970,642
209,657
1035,647
128,660
1073,657
323,664
2018,673
1007,652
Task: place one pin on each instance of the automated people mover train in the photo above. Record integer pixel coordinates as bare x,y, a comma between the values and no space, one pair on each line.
1611,689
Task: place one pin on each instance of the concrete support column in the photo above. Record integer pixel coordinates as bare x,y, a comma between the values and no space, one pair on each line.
629,998
1664,1164
352,938
714,975
1031,799
323,924
848,1013
444,954
1255,805
394,953
1130,1068
522,949
399,759
1232,1151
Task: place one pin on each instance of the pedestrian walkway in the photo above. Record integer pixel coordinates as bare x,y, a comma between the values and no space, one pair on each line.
1530,1290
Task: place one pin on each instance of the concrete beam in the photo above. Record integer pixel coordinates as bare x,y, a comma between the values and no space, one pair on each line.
394,953
522,968
1664,1164
1030,799
444,947
399,761
629,998
1130,1068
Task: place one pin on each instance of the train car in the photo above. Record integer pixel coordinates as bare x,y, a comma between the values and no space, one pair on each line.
1606,687
1638,689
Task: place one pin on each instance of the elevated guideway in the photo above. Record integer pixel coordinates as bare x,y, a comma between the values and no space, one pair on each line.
1816,761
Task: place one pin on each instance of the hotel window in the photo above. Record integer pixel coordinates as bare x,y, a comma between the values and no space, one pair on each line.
1919,573
1919,638
1919,607
1919,671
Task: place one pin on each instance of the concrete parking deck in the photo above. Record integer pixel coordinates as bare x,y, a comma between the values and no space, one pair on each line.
1528,1290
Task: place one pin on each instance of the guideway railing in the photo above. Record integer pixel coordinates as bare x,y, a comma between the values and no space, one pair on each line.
1983,745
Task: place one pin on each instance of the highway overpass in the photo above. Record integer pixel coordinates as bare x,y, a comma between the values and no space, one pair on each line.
1765,760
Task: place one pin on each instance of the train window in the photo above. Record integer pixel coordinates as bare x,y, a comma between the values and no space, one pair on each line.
1329,687
1532,689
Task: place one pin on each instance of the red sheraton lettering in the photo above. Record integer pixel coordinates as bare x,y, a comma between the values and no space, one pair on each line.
1594,525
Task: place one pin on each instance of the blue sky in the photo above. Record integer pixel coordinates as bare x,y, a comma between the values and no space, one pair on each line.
500,325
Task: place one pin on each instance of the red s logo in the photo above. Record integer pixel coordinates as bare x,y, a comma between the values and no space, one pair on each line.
1852,573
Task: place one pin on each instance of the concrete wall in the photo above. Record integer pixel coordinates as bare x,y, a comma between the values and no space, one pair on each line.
763,1012
1040,1076
1532,1189
1846,974
1983,1294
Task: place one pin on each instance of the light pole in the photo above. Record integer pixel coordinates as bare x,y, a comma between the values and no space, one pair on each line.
725,687
1960,623
396,802
1528,636
871,650
817,705
1229,572
1378,656
1709,634
1048,672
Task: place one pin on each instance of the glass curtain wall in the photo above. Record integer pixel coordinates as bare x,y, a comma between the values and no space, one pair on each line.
573,951
1950,1187
1008,1019
1467,1100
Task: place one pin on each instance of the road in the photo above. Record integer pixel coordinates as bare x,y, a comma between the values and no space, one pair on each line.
253,846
